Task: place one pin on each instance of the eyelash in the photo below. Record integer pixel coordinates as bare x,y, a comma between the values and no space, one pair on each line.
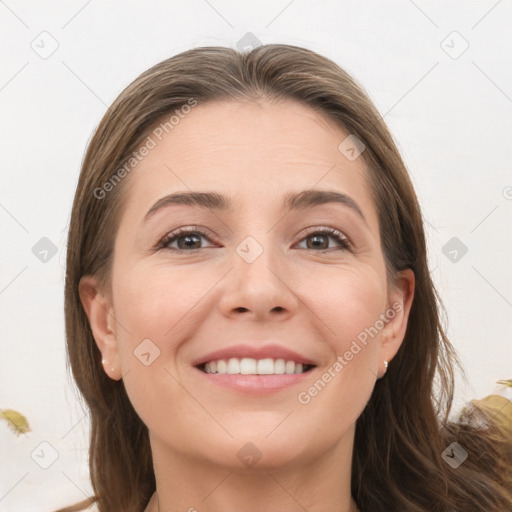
344,243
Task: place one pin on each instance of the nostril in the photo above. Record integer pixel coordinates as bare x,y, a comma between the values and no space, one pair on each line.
241,309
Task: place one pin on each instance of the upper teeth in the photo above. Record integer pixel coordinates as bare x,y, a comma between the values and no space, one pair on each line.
249,366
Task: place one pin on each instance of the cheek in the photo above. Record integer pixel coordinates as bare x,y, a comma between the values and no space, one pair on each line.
349,309
347,301
155,313
158,304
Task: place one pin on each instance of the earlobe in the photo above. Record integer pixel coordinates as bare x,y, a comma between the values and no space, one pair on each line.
99,312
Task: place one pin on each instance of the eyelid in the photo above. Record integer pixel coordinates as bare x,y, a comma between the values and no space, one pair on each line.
325,229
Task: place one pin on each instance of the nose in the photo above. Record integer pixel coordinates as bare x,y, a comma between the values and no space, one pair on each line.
259,289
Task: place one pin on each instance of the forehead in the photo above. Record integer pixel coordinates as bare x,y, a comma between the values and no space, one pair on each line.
245,150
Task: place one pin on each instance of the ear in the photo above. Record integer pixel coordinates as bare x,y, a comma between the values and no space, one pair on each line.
397,315
99,311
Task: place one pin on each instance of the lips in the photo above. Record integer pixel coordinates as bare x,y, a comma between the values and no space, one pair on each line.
254,352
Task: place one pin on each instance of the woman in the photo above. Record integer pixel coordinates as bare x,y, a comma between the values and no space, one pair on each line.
249,310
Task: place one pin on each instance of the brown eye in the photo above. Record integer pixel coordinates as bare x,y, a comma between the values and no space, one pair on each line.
189,241
321,240
184,240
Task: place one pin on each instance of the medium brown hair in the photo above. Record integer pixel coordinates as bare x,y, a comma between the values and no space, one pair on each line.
400,436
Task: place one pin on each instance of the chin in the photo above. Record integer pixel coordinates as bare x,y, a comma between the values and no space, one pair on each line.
252,453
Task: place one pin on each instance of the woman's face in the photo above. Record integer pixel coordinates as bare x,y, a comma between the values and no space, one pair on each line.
284,262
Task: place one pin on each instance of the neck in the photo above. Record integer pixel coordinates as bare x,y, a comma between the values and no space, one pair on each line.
184,484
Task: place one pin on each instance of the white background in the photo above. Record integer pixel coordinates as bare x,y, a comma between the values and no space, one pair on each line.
451,117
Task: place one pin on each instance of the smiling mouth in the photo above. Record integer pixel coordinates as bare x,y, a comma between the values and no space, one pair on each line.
250,366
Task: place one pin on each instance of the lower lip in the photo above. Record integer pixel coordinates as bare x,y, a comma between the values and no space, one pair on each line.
256,384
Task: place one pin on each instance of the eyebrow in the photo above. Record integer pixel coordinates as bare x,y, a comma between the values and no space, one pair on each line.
291,201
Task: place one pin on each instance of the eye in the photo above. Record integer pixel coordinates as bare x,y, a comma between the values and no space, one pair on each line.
320,240
184,239
190,239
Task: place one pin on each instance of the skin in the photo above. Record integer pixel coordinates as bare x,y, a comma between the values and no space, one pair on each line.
188,303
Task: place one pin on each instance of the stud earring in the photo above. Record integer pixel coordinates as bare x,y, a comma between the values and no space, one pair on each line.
386,365
104,361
